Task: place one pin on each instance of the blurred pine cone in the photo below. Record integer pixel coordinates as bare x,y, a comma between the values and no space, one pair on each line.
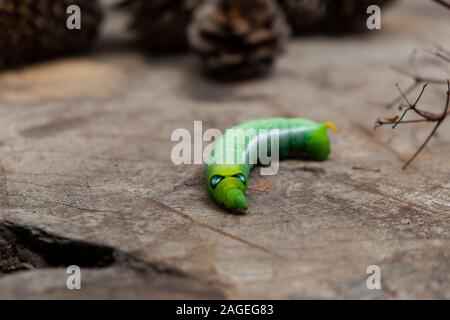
33,30
238,39
161,25
331,16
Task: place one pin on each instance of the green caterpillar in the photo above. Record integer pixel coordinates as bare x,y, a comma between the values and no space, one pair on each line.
229,164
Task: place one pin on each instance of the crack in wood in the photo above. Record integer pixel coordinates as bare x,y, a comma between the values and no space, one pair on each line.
368,188
159,205
27,247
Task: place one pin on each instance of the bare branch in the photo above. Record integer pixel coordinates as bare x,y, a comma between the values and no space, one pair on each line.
410,106
441,55
426,116
436,127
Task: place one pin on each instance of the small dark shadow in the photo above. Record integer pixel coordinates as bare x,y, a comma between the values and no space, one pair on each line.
199,87
52,128
309,169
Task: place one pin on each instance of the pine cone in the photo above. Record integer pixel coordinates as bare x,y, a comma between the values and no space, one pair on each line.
330,16
33,30
238,39
161,25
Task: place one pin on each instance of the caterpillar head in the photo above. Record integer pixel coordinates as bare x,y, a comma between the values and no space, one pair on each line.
227,185
317,142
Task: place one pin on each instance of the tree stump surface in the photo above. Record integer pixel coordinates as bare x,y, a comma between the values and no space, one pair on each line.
86,177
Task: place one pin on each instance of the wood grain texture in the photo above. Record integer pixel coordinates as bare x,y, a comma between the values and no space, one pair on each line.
92,163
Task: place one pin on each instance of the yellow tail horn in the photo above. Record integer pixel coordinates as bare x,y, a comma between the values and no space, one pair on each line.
332,126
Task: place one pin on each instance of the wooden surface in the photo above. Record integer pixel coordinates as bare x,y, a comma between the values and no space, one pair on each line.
85,156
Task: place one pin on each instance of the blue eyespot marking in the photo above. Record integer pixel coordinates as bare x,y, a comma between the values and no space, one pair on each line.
241,177
215,180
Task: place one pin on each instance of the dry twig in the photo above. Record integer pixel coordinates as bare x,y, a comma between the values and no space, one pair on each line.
441,55
425,116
